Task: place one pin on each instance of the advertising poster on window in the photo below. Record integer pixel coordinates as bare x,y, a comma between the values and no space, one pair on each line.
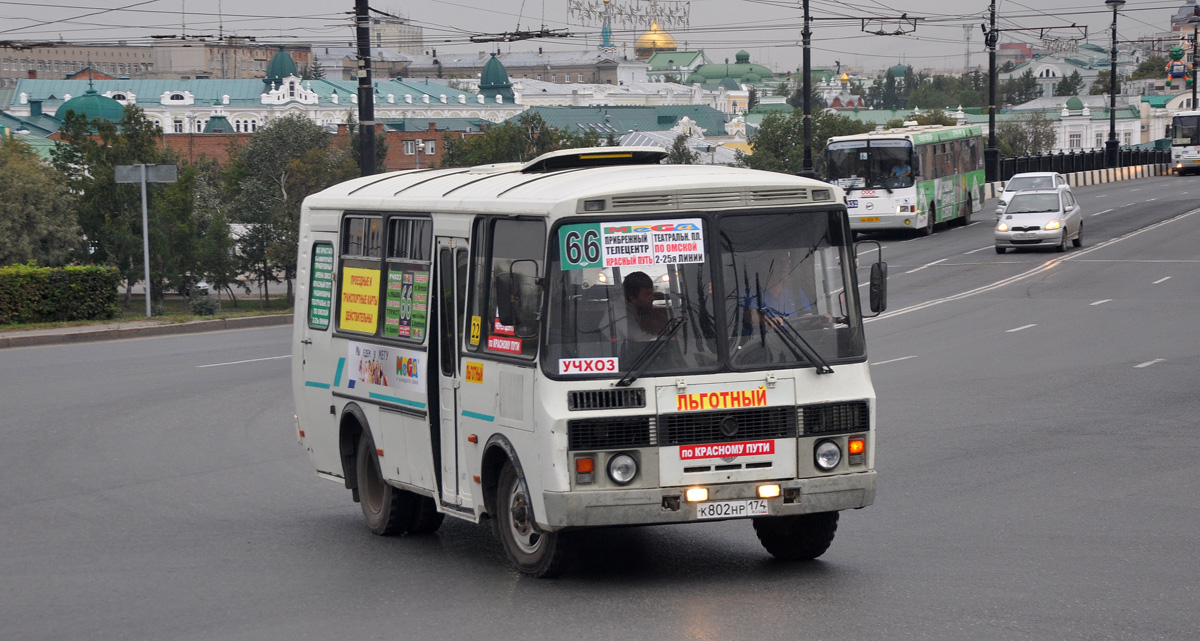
632,243
399,370
360,300
407,304
320,296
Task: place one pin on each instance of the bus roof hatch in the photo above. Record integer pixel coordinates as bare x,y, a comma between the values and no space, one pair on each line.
594,157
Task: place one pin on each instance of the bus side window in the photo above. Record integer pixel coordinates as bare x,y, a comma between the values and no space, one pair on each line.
516,252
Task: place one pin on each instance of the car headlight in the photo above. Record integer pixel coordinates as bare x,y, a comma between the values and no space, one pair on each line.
1002,227
1054,224
827,455
622,468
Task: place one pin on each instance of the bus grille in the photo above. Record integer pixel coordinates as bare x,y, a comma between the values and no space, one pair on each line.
606,399
610,433
706,427
836,418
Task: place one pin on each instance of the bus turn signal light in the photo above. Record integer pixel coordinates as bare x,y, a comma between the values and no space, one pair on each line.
858,450
585,468
697,494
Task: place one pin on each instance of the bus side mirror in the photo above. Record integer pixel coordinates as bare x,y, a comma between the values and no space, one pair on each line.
916,165
878,287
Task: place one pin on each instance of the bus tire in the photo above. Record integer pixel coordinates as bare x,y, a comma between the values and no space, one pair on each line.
927,230
797,538
531,551
387,510
425,517
965,217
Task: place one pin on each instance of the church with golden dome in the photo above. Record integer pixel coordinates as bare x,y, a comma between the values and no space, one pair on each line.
653,41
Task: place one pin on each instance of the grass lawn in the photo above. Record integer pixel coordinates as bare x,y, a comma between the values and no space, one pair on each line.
175,309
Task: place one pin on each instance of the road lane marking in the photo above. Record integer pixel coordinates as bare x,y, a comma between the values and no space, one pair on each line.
1101,302
1102,212
1161,280
894,360
252,360
978,250
1017,329
1046,266
1149,363
1136,189
913,271
881,248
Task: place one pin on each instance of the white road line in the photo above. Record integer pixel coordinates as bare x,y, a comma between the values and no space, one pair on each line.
1102,212
1101,302
894,360
1150,200
1136,189
978,250
1048,265
1101,195
1149,363
1017,329
881,248
1161,280
253,360
913,271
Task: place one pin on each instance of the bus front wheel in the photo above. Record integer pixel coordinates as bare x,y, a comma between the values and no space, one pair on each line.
797,538
930,217
531,550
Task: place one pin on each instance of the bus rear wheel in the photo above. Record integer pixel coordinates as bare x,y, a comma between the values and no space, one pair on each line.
964,217
387,510
531,550
797,538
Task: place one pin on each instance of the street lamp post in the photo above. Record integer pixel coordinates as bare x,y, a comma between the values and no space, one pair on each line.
806,68
1112,146
991,154
1195,22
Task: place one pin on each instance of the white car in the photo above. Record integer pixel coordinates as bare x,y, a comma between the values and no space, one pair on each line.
1047,218
1030,180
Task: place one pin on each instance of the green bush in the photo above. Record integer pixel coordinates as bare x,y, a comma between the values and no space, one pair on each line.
32,294
205,306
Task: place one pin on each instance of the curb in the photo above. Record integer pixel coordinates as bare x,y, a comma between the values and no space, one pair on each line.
17,339
1094,177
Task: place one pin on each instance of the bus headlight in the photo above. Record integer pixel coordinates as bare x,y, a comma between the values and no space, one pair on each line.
622,469
827,455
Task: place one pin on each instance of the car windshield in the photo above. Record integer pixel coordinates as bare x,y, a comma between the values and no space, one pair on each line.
1030,182
618,286
884,164
1033,203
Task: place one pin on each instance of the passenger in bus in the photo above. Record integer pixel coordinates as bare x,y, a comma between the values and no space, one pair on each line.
643,320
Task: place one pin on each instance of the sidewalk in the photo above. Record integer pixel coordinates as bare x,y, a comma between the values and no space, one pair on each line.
133,329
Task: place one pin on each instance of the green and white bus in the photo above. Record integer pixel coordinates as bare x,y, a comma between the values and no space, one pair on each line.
909,178
588,339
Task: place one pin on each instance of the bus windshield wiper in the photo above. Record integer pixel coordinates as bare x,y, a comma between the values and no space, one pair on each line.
799,346
651,351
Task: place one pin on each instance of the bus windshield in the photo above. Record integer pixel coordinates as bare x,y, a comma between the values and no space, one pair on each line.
765,300
875,164
1185,130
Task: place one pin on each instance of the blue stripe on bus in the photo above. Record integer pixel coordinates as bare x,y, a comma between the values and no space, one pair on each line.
316,384
397,400
482,417
337,377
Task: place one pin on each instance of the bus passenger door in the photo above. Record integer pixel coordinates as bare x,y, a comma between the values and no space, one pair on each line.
451,306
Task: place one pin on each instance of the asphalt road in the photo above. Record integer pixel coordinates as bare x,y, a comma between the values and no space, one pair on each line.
1037,467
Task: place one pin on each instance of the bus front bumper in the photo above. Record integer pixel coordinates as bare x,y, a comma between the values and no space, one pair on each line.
667,505
862,221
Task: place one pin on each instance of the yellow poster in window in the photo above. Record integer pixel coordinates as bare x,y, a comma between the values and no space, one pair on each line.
360,300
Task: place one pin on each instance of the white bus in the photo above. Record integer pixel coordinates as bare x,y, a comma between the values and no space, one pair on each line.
588,339
1185,142
913,177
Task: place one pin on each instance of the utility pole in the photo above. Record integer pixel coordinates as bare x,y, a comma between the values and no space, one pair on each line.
806,82
366,94
991,154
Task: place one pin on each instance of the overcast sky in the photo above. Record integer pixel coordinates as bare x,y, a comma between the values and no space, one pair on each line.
768,29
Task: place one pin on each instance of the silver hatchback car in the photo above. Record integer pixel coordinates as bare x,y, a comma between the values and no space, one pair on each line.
1044,218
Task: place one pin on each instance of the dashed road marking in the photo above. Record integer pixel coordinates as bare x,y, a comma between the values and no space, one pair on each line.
894,360
252,360
1017,329
1149,363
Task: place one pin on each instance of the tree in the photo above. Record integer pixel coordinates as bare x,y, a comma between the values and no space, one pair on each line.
891,93
355,150
752,99
518,139
110,213
1029,136
1153,67
1020,89
1071,85
681,154
269,177
38,223
778,143
1100,86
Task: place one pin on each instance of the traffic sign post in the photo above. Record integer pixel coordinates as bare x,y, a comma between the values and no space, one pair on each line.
144,174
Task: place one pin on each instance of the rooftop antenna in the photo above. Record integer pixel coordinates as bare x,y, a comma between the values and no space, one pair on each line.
220,23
